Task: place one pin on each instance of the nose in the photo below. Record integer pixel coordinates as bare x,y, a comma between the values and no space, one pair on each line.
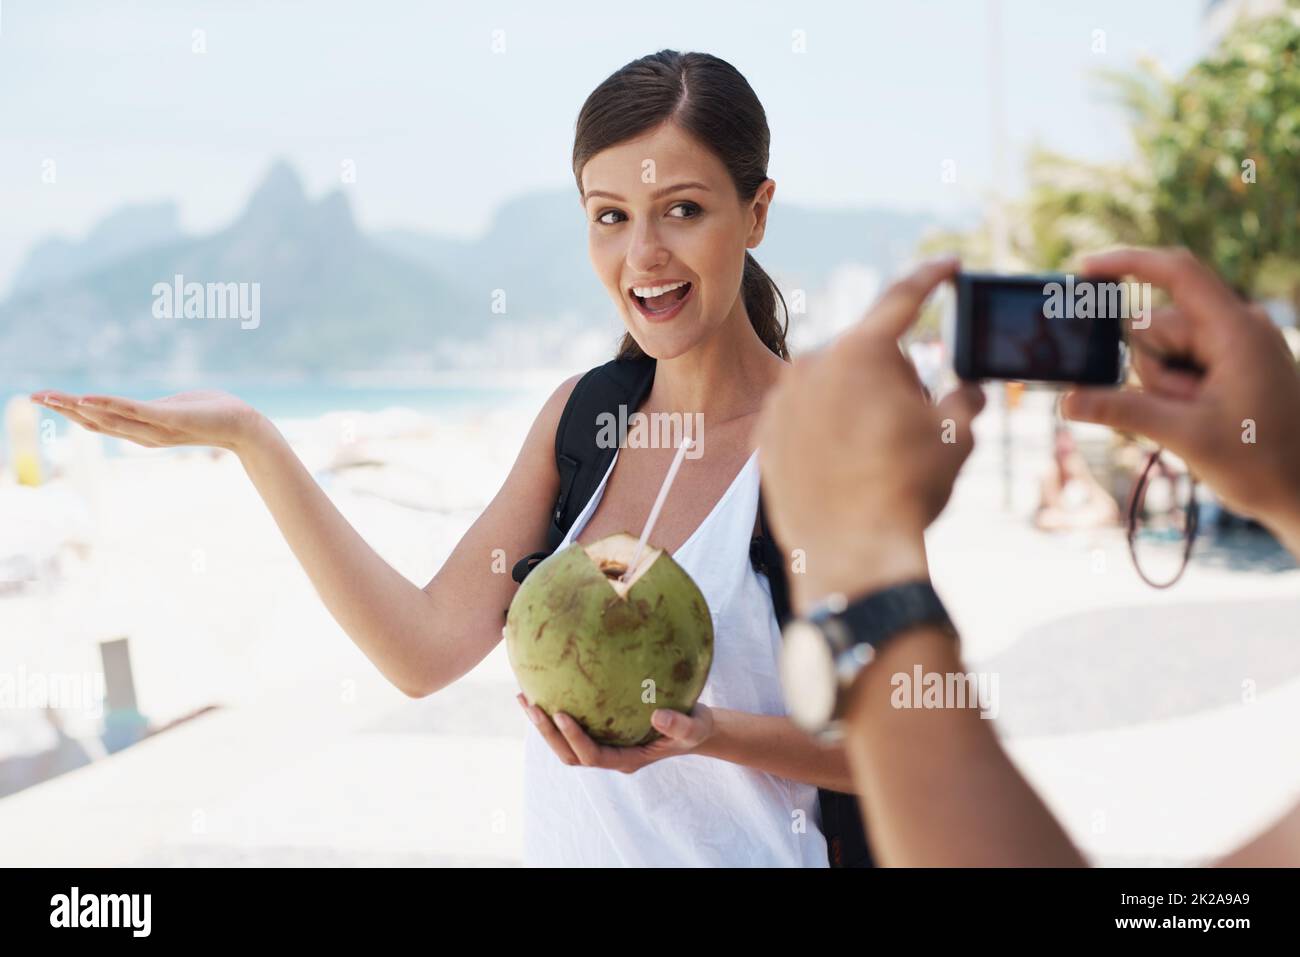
646,251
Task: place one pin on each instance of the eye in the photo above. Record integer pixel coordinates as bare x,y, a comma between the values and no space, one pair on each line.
691,210
600,218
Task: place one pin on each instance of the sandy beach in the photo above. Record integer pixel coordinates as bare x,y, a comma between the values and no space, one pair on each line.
1157,725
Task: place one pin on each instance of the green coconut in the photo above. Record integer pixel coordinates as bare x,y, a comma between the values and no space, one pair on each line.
608,652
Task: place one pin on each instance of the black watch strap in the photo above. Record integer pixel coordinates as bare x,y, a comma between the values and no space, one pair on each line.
876,617
823,652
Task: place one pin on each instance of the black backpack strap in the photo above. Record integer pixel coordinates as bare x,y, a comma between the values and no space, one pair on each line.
579,455
765,555
846,838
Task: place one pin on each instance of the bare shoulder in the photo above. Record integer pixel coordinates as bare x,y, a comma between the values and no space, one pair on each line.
537,456
553,408
515,520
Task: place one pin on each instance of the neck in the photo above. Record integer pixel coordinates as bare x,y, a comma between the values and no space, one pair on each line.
724,376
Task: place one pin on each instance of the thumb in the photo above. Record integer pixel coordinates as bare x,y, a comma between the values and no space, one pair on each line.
961,406
664,721
674,725
901,303
1154,416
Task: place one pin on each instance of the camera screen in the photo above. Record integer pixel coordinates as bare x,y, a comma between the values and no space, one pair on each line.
1026,328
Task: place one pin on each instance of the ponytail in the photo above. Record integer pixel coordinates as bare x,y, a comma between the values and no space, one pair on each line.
761,296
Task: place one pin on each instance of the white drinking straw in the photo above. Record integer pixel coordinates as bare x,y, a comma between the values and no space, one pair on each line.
659,504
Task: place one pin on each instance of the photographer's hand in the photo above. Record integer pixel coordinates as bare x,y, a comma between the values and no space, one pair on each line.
1238,425
856,462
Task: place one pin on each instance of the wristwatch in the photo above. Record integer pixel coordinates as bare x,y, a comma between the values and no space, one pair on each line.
823,651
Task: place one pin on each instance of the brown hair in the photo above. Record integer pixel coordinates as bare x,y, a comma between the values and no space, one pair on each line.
709,99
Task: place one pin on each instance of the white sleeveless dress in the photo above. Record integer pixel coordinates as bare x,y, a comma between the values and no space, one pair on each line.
688,810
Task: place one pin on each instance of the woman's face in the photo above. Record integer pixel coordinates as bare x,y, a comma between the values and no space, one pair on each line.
661,211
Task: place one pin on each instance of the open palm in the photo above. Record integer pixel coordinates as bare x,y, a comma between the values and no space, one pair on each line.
204,417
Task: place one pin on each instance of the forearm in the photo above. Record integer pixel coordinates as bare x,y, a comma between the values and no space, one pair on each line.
773,744
386,614
936,786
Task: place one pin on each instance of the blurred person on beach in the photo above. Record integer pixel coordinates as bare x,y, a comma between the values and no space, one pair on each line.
1070,497
670,158
21,431
857,470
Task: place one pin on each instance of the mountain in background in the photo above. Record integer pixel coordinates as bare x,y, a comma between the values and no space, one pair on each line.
330,300
542,238
334,300
123,232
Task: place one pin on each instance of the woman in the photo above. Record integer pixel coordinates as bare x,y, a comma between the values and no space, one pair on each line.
1070,498
670,158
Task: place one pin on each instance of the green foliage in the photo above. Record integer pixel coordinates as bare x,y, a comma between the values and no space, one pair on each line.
1234,118
1217,169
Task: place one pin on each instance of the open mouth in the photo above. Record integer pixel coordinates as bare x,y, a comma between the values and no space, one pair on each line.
661,301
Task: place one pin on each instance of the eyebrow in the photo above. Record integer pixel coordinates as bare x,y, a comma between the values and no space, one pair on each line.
663,191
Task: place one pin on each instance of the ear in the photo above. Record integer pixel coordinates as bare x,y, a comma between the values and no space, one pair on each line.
761,202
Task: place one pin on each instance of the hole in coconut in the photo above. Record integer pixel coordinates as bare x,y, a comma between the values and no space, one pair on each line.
613,569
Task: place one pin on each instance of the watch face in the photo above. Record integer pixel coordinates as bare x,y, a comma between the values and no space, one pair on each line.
808,676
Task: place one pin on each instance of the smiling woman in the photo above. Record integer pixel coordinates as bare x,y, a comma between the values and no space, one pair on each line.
670,159
644,119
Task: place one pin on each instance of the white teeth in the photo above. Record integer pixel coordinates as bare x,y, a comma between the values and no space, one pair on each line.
645,292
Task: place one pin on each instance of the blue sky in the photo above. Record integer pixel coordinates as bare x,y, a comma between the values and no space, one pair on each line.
442,129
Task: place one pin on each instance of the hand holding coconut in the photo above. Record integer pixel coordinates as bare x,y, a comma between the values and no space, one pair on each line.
681,734
614,642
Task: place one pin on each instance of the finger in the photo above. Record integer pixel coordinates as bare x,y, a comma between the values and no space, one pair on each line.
548,731
54,398
1160,379
127,408
72,415
586,750
682,729
1169,334
898,308
59,405
1192,284
114,424
960,407
553,738
78,414
1157,417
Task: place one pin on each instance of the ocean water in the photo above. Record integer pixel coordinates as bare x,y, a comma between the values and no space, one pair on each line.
299,400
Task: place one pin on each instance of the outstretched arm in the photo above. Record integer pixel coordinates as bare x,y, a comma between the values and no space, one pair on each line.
421,639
